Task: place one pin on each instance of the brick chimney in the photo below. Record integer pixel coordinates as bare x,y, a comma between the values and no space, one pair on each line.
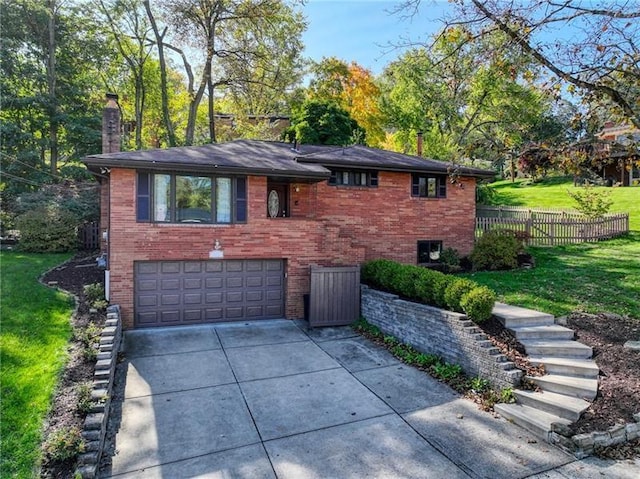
419,144
111,125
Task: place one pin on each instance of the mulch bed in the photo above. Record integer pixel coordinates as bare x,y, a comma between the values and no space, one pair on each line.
72,276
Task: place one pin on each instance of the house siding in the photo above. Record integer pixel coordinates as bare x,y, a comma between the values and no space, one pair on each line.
328,226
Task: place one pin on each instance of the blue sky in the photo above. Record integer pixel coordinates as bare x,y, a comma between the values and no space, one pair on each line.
361,30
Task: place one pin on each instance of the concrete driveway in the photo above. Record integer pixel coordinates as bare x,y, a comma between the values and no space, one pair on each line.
272,399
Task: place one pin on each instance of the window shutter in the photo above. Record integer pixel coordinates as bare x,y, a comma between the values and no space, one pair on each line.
241,199
143,197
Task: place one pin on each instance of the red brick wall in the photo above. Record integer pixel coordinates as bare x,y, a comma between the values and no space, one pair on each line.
329,225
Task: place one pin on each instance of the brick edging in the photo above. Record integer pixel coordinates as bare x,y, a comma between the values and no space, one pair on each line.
95,424
584,445
449,335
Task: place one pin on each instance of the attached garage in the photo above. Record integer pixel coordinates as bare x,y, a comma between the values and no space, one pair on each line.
172,293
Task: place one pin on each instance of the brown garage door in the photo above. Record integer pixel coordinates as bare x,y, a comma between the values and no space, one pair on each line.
169,293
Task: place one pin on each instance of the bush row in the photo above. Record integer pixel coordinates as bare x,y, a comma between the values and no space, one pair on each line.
431,287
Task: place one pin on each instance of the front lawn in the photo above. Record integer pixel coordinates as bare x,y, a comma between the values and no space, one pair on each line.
589,277
33,340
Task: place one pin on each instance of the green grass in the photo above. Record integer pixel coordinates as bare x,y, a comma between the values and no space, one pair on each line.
552,193
591,277
33,340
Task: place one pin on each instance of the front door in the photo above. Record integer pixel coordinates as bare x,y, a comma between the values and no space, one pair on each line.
277,200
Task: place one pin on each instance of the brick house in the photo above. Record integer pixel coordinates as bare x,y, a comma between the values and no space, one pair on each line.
228,231
619,145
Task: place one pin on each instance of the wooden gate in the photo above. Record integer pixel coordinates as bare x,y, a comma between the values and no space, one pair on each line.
334,299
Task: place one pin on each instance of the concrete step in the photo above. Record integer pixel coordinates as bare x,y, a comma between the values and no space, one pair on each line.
570,386
557,348
566,407
533,420
583,368
514,316
552,331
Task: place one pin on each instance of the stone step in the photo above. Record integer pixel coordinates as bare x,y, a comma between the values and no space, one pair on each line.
551,331
514,316
566,407
557,348
533,420
583,368
570,386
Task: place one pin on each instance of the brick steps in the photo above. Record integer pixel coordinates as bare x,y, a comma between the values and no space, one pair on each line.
572,379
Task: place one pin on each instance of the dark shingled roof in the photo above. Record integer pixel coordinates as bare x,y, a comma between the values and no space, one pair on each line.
272,159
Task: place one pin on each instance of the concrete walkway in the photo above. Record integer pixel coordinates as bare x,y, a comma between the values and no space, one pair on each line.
272,399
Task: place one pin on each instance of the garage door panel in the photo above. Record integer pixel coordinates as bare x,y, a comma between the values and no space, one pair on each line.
192,283
192,267
214,298
170,299
170,284
147,300
235,297
193,298
254,296
193,315
171,316
255,311
235,282
234,266
211,283
235,313
170,267
190,292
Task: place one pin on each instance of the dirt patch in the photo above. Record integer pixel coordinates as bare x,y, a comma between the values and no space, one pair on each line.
66,412
619,390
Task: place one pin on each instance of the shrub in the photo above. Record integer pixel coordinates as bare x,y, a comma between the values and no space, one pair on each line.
431,287
591,201
47,230
64,443
496,250
478,303
450,260
94,292
455,291
83,390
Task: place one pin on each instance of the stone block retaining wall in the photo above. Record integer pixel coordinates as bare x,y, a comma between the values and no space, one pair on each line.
583,445
449,335
95,424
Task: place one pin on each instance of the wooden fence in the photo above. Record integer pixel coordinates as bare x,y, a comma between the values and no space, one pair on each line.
89,236
551,227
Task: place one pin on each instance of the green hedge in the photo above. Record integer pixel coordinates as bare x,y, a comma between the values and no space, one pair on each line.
431,287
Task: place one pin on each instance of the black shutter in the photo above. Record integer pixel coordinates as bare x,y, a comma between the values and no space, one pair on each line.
442,187
143,197
241,199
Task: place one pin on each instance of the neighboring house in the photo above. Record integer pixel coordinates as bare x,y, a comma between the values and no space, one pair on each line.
227,232
621,146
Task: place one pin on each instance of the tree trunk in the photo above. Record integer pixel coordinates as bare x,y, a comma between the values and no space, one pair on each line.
171,136
212,119
51,85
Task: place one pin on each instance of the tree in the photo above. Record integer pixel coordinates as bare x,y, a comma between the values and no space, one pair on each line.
354,89
323,123
468,101
601,58
50,58
129,27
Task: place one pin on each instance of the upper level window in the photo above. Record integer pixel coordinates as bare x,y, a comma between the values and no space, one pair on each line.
428,186
178,198
354,178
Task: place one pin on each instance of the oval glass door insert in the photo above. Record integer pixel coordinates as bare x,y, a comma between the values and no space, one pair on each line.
273,204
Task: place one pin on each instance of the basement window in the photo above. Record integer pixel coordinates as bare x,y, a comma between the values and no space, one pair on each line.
429,251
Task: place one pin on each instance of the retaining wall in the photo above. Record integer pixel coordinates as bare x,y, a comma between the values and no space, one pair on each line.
449,335
95,424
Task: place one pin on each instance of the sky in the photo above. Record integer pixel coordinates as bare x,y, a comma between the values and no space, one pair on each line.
362,30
